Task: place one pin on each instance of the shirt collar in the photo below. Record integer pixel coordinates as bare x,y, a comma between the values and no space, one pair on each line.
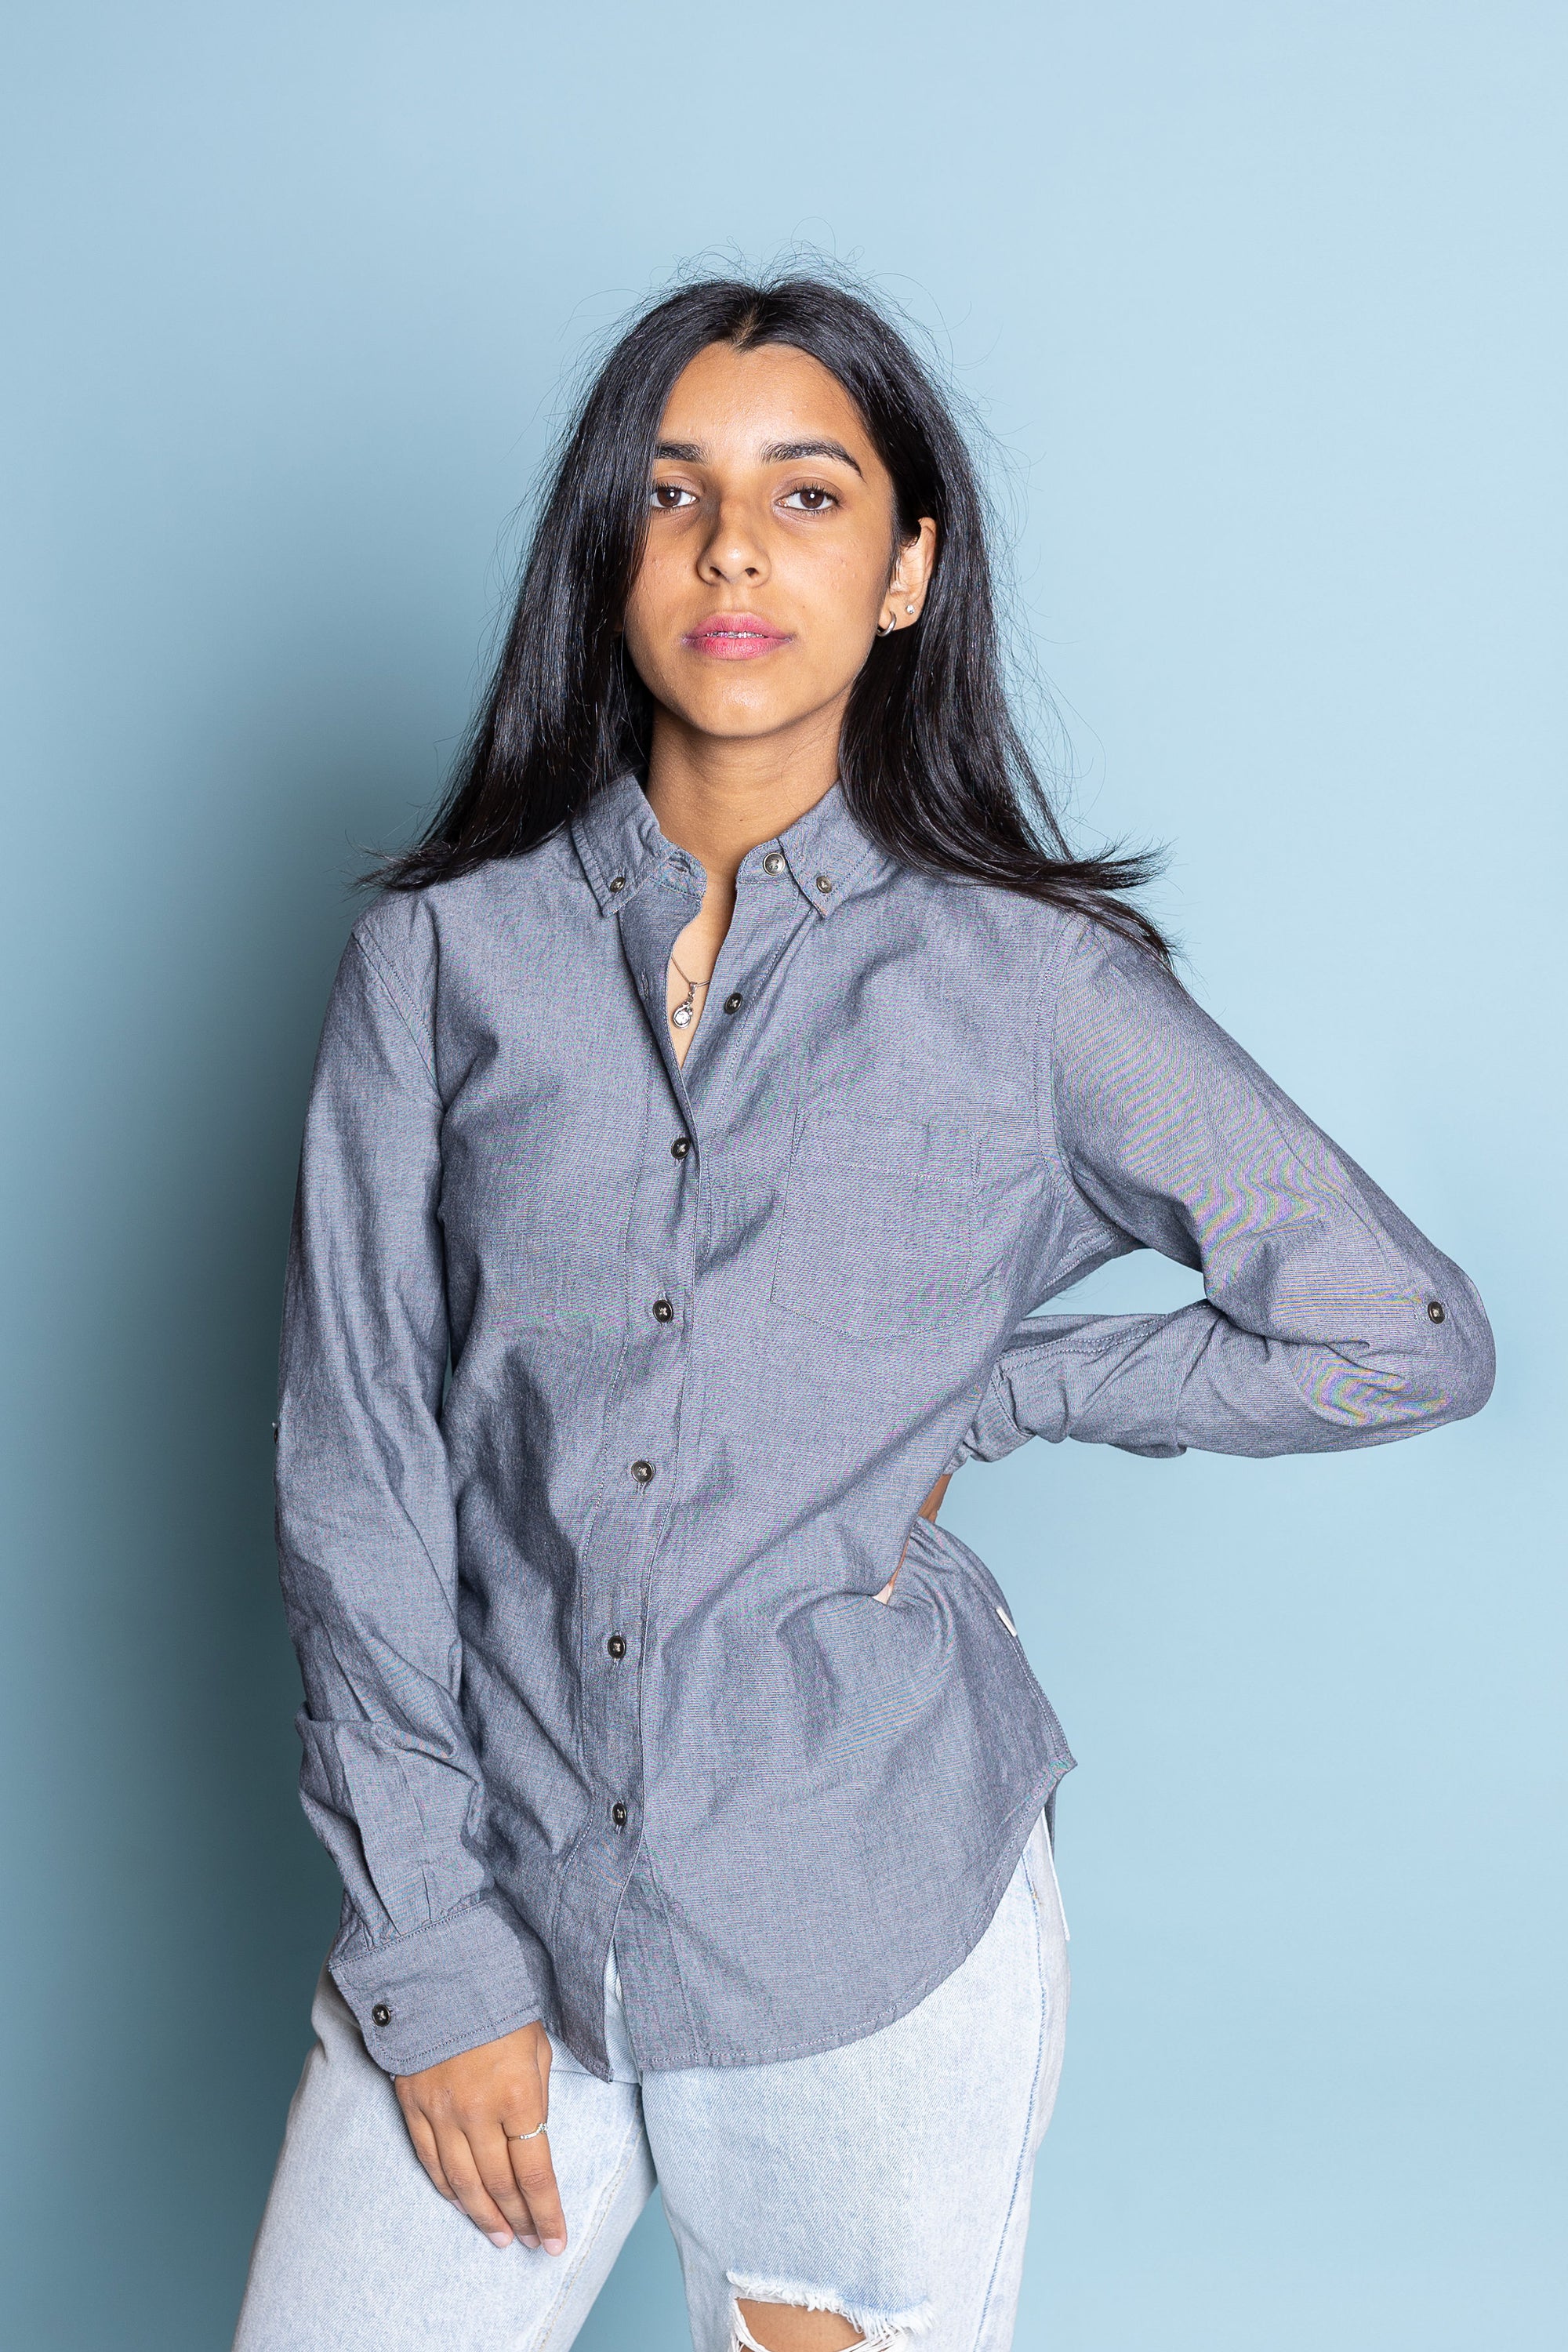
824,853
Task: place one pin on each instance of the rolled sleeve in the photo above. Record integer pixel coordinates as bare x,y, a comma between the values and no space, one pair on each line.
1328,1321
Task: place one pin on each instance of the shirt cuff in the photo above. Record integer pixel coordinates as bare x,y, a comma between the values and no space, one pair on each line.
467,1979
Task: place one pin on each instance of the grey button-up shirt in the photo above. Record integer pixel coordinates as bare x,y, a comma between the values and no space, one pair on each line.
610,1391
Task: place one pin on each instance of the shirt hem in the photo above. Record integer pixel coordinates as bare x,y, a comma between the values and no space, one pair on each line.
673,2059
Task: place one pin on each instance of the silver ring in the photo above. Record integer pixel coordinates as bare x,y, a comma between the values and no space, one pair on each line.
534,2134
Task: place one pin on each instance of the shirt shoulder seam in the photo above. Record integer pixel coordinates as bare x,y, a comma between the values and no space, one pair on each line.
376,964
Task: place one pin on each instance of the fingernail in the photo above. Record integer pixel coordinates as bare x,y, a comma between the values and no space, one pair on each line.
555,2245
531,2242
499,2237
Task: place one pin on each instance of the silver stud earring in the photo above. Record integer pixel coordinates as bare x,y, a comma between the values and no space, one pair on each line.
908,608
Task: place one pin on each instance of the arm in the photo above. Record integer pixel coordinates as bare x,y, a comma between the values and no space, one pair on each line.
1328,1321
447,1981
430,1958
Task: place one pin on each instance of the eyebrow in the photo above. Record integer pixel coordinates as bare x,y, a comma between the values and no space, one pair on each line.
784,452
777,453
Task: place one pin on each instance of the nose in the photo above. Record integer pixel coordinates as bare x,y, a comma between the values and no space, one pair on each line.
734,549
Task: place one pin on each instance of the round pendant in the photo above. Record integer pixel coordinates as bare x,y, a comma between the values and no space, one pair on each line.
681,1016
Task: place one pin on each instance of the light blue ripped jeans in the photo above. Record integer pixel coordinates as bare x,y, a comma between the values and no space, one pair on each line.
887,2181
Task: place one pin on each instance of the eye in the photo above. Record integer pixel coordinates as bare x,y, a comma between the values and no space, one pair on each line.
810,497
671,498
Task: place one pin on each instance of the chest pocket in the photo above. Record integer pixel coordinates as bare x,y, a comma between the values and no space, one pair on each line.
879,1232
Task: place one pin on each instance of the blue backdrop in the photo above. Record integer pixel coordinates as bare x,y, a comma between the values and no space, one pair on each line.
1265,302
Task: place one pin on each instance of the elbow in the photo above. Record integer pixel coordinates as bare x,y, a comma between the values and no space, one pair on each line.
1409,1382
1469,1367
1455,1367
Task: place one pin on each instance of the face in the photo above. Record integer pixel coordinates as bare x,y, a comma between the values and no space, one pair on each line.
771,559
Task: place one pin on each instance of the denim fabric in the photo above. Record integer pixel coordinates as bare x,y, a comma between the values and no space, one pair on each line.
610,1391
888,2181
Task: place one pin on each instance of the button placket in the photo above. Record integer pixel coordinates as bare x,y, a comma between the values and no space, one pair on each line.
649,1403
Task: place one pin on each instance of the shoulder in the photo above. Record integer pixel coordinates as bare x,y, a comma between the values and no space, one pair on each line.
1065,951
410,936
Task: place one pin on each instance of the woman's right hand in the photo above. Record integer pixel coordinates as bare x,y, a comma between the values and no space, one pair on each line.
464,2117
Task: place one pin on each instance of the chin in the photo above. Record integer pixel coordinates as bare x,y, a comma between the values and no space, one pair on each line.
741,714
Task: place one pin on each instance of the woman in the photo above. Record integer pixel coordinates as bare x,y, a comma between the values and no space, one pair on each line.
737,1061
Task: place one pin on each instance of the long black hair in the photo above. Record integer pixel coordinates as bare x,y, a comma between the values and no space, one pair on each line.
931,763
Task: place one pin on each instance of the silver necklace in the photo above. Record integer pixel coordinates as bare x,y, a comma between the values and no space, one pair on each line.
685,1013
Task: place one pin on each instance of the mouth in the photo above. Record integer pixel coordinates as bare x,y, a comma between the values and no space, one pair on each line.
734,636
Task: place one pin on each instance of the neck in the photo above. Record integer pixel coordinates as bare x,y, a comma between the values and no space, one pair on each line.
719,796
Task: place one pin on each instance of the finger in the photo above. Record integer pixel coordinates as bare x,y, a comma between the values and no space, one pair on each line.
534,2172
489,2145
459,2164
425,2149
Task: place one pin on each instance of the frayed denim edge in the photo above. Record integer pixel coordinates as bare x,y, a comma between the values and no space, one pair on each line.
877,2327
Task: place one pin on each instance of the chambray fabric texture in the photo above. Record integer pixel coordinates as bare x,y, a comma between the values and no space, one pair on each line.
583,1590
905,2160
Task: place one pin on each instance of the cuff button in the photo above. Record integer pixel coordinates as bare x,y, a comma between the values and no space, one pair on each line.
1434,1311
381,2015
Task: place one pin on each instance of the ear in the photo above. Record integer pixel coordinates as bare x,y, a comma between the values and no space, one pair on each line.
905,594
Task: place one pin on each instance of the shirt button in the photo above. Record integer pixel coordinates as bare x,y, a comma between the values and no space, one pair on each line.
642,1471
617,882
618,1815
1434,1311
680,1147
733,1003
825,883
773,862
381,2015
663,1312
616,1645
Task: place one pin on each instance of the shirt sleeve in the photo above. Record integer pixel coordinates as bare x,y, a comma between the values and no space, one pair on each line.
1328,1321
430,1957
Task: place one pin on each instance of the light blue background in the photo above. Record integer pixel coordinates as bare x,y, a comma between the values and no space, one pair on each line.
1266,301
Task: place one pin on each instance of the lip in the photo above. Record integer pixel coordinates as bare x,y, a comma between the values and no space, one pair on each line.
735,637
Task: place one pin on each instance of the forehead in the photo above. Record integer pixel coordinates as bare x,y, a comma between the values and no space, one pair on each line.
738,403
